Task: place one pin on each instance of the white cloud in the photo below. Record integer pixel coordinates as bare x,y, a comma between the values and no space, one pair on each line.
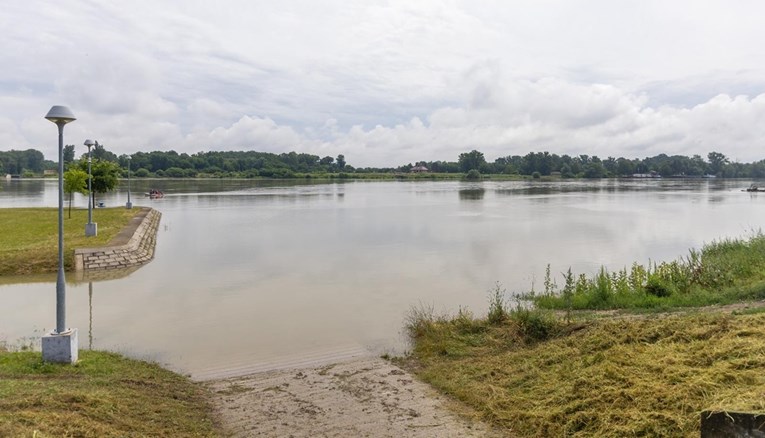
251,133
387,83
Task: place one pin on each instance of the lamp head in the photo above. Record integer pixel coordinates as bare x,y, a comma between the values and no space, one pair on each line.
60,115
89,143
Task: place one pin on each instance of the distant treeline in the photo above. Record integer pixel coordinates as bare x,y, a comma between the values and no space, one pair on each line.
586,166
29,162
251,164
247,164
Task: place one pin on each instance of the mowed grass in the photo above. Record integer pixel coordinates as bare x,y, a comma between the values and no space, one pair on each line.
533,375
103,395
29,236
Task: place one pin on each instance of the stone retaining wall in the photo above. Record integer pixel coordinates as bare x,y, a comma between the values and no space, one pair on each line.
134,246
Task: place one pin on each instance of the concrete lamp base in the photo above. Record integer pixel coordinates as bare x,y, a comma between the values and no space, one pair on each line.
91,229
60,347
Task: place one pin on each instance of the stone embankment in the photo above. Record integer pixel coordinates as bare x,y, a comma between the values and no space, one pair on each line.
132,247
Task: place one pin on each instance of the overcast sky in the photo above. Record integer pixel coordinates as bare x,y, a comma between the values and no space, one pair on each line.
388,82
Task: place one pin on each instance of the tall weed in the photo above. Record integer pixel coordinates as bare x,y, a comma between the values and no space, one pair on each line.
497,308
714,274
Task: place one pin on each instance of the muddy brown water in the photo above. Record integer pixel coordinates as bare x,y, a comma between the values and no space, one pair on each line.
251,276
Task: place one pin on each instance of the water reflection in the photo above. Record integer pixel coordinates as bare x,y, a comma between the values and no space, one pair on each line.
472,194
90,315
249,275
72,277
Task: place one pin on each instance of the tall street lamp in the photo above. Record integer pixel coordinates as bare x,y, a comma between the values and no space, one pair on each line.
91,229
60,345
129,204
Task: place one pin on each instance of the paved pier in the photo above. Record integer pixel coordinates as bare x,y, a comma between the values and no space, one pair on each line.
132,247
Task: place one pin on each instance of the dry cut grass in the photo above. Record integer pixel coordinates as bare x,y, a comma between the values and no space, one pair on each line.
649,376
29,236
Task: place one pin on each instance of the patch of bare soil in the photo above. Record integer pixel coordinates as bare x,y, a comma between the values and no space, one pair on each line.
366,397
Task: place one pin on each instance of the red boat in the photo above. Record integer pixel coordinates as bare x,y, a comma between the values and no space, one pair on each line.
154,193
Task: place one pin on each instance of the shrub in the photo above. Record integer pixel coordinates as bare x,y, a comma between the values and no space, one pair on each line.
473,174
658,287
534,324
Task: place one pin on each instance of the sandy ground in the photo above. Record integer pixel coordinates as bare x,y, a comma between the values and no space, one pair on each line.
367,397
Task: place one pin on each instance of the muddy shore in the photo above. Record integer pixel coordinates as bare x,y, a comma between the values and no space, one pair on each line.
362,397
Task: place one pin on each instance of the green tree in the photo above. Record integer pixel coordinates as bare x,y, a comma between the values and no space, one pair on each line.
75,181
565,171
175,172
624,167
716,162
471,160
340,160
20,162
99,152
105,175
68,154
594,169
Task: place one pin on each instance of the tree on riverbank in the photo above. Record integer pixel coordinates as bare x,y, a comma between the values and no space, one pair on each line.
251,164
75,180
18,162
105,175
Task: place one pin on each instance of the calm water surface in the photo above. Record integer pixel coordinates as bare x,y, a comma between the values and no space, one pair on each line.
251,275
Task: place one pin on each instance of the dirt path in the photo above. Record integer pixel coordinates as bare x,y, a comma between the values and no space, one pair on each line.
366,397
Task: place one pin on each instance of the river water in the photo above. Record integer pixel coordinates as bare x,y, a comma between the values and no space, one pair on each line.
252,275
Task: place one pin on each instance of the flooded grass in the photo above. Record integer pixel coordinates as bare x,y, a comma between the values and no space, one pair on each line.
533,375
721,272
29,236
103,395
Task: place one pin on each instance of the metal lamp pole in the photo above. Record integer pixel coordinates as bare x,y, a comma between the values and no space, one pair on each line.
129,204
91,229
60,115
61,344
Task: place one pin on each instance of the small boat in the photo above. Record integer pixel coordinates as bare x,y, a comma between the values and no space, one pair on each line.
754,188
154,194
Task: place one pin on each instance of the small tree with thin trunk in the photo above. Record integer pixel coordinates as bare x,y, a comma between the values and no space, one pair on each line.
75,180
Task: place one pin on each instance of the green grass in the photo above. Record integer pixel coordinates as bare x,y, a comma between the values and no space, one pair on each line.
29,236
721,272
532,375
103,395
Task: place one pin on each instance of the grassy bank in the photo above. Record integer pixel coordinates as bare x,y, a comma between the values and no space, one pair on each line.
103,395
29,236
533,375
534,370
721,272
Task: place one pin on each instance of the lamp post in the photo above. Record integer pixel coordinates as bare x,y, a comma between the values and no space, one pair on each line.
129,204
61,344
91,229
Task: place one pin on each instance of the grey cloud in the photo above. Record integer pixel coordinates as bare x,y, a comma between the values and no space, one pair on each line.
389,83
